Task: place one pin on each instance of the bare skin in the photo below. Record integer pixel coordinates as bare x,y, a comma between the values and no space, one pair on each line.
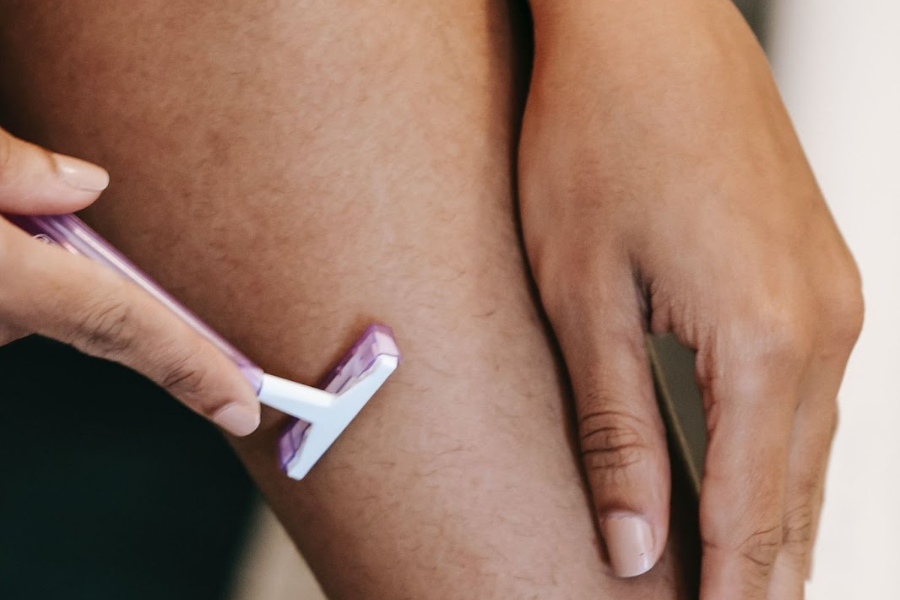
295,172
347,163
663,188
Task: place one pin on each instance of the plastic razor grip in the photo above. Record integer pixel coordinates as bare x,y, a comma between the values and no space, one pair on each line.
72,234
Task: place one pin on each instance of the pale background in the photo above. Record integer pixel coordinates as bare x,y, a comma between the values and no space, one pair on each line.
838,64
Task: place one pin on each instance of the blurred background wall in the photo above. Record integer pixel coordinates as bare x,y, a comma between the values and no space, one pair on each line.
838,65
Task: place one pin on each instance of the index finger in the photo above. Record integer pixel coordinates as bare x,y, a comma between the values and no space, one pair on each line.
69,298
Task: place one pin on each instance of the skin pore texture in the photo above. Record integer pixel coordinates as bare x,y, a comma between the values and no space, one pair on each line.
294,171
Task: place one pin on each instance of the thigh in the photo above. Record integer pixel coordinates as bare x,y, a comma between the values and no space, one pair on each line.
295,170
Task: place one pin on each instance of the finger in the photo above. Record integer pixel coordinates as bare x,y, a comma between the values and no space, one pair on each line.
810,447
36,181
71,299
750,405
814,430
831,418
621,432
819,498
844,311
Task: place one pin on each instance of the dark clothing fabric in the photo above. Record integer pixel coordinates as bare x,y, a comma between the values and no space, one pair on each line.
109,488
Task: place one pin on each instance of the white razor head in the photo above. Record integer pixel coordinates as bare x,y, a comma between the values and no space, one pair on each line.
321,415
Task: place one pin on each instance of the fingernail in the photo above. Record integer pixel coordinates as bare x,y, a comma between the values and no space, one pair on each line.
238,419
81,174
629,541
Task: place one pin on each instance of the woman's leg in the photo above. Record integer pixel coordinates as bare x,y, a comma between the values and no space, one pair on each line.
295,170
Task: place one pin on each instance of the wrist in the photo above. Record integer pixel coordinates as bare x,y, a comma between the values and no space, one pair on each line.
623,31
646,48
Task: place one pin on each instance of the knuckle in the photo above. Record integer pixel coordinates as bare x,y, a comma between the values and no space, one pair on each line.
772,345
797,529
846,310
760,549
612,440
183,377
757,553
106,329
779,338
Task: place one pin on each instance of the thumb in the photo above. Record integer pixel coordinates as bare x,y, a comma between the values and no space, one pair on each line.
622,437
74,300
37,181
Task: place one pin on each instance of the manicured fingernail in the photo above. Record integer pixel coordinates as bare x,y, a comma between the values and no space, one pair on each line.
81,174
629,541
238,419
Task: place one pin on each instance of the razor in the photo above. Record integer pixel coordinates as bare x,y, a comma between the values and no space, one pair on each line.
320,414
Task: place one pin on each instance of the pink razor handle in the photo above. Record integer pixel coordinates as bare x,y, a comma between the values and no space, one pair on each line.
71,233
320,414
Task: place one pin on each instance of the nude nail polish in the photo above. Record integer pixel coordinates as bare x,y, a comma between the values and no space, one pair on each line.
237,419
80,174
629,541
